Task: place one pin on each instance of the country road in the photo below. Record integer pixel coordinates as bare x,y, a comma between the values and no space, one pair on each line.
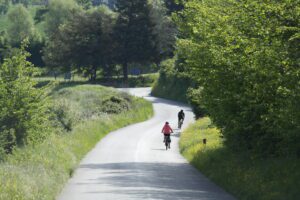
132,163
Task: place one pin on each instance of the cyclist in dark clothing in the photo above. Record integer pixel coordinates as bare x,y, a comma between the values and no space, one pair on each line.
181,116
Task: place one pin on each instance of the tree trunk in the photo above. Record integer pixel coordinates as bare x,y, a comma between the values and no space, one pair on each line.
94,73
125,72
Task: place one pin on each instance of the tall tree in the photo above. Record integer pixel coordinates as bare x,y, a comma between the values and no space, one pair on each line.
21,24
58,13
83,41
134,33
164,29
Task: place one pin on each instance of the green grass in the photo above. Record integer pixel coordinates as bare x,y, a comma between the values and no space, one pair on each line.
243,175
144,80
39,171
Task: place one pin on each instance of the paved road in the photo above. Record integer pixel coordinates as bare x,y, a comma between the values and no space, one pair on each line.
132,163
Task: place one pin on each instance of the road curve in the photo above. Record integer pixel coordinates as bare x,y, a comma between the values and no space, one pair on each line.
132,163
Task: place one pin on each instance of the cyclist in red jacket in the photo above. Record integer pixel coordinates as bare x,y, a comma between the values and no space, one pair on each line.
167,130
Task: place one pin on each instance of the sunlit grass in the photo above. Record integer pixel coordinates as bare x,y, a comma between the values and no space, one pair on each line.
245,176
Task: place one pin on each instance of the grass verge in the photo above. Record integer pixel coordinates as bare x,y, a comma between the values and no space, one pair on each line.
243,175
39,171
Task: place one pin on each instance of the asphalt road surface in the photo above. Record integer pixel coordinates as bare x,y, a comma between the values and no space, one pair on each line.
132,163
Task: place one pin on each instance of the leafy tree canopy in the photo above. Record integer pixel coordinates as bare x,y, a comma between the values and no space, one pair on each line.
21,24
245,56
134,33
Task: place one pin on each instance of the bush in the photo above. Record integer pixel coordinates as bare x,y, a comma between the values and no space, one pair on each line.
115,105
65,114
77,103
171,84
195,100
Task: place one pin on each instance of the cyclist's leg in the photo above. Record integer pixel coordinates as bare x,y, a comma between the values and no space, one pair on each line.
169,138
169,141
165,138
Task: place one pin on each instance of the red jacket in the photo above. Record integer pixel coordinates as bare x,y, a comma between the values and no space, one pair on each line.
167,129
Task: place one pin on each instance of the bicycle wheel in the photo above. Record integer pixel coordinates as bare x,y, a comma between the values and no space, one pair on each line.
180,124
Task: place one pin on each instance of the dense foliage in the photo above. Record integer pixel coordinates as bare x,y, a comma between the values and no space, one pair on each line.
164,29
245,56
133,33
4,4
172,84
174,5
20,25
84,42
86,37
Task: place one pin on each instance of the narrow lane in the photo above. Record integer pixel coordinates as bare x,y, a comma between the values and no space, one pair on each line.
132,163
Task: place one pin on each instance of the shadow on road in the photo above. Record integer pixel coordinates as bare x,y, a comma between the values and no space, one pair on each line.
158,149
152,181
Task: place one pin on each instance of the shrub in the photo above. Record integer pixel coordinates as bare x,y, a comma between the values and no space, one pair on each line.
115,105
65,114
24,109
171,84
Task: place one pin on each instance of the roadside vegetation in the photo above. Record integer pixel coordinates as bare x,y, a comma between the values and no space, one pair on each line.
171,84
244,175
142,80
40,170
46,131
242,58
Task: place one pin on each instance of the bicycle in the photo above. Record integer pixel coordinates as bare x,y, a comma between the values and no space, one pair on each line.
180,122
167,142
